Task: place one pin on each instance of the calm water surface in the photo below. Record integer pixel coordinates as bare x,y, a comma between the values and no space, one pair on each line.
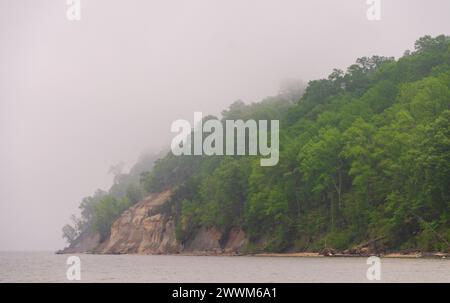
48,267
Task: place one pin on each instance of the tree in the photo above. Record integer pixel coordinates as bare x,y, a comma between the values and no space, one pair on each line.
69,233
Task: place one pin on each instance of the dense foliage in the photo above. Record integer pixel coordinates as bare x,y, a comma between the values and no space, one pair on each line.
364,155
99,211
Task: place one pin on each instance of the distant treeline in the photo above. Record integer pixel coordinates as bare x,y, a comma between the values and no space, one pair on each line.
364,154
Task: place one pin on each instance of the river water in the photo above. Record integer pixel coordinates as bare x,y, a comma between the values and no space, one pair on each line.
48,267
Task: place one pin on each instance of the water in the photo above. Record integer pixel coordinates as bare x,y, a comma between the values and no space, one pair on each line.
48,267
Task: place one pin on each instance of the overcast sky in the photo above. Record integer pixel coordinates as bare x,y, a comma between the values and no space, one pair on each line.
77,97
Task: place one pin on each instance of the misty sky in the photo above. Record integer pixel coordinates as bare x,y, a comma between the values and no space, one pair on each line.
77,97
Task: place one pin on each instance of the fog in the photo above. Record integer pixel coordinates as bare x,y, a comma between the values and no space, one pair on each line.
77,97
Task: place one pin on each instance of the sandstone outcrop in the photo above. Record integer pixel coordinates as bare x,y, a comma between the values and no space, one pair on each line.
149,228
143,229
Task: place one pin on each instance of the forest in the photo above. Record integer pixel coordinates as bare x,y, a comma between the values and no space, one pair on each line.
364,155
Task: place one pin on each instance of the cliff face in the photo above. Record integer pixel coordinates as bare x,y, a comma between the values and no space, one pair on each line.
145,229
209,241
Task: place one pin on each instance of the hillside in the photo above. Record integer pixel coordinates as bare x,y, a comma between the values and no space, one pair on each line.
364,158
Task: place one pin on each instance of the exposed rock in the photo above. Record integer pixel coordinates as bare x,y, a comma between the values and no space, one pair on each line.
146,228
236,241
205,240
328,252
143,229
208,240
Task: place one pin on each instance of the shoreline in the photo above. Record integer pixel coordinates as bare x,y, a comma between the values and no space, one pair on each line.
392,255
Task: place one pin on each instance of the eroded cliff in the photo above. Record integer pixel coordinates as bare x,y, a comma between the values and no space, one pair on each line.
149,228
143,229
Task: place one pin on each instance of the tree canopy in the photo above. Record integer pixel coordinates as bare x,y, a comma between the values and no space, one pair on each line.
364,154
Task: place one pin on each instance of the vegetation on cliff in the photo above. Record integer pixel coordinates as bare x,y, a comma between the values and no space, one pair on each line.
364,154
99,211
